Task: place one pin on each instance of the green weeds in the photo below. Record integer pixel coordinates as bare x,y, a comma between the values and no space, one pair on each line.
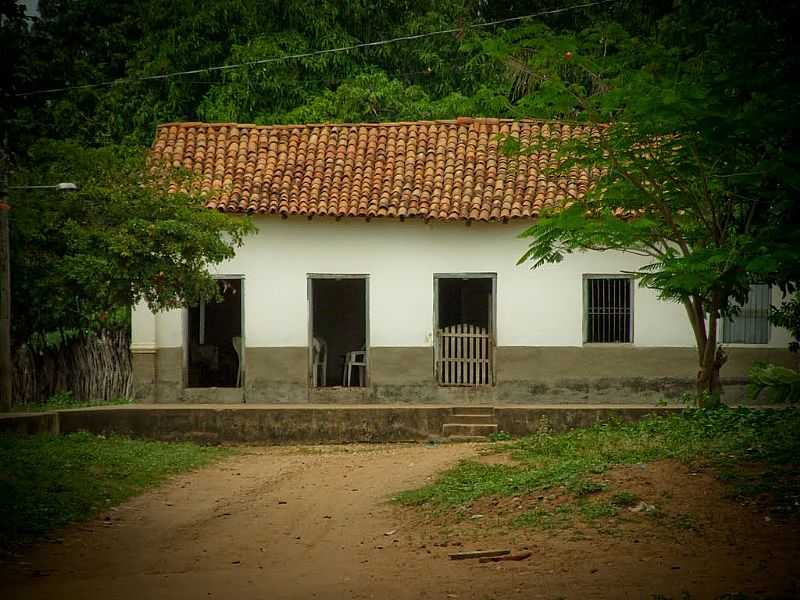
64,400
624,499
48,481
725,439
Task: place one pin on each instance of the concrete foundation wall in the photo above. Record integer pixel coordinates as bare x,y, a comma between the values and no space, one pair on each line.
28,424
538,375
145,376
276,375
401,366
169,371
519,421
270,425
298,425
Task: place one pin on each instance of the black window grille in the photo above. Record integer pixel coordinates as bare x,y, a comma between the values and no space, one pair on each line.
609,310
751,325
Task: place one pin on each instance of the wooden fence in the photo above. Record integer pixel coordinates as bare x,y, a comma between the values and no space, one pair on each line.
92,368
463,355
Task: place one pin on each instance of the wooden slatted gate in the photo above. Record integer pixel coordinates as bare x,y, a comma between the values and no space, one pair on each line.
463,355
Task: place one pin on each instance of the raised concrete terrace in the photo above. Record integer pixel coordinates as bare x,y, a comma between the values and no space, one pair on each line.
320,423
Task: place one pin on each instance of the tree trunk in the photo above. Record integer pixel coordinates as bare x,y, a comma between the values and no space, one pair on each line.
712,357
709,388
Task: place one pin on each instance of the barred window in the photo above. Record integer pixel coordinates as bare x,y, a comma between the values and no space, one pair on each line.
751,325
608,303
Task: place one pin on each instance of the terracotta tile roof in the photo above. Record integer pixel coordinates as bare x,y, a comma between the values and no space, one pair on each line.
445,170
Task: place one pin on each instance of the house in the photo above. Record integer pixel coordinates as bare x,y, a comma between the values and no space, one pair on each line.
384,270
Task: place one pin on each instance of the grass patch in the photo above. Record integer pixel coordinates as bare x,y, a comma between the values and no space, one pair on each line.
565,515
592,511
66,400
540,518
583,488
723,437
624,499
47,481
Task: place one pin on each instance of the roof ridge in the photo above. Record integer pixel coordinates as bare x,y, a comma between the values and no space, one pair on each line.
456,121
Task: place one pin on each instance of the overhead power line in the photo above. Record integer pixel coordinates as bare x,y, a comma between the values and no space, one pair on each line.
314,53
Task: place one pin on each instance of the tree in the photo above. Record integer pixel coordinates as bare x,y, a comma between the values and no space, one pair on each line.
787,315
98,42
81,260
694,153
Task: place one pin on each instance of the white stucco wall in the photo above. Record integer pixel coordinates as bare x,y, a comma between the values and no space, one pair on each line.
534,308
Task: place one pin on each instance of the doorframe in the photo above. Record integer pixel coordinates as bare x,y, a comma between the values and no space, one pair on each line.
310,319
185,327
492,314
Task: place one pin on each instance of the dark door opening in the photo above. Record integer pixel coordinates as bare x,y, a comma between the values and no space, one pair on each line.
338,344
215,339
467,301
464,341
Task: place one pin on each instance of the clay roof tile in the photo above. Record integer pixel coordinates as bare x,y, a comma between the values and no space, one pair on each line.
447,170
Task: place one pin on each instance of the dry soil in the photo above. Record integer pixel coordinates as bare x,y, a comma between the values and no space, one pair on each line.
314,522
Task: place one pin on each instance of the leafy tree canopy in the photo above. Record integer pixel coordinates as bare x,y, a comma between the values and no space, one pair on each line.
83,258
695,155
86,42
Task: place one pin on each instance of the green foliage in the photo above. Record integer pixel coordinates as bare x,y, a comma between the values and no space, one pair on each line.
779,383
441,76
155,37
624,499
693,156
80,259
582,488
48,481
542,518
500,436
703,399
65,400
595,510
721,437
704,175
62,398
787,315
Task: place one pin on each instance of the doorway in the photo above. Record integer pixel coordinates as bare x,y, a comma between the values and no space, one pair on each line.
214,344
339,330
464,309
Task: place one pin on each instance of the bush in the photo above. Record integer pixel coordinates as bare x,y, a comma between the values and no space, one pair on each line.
779,383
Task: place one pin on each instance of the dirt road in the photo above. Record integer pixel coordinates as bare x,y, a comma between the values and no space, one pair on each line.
286,523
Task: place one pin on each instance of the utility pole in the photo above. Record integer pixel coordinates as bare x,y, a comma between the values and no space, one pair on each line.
6,401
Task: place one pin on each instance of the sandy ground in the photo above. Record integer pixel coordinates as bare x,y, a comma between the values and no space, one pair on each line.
278,523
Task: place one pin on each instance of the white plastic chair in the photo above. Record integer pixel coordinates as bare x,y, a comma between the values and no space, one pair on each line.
357,359
319,362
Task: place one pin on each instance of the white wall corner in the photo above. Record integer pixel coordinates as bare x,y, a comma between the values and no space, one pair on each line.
143,329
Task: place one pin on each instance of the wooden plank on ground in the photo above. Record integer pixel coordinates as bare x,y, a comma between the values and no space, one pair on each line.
520,556
477,554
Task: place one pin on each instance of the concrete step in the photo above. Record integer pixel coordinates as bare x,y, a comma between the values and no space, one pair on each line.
465,438
473,419
468,429
472,410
